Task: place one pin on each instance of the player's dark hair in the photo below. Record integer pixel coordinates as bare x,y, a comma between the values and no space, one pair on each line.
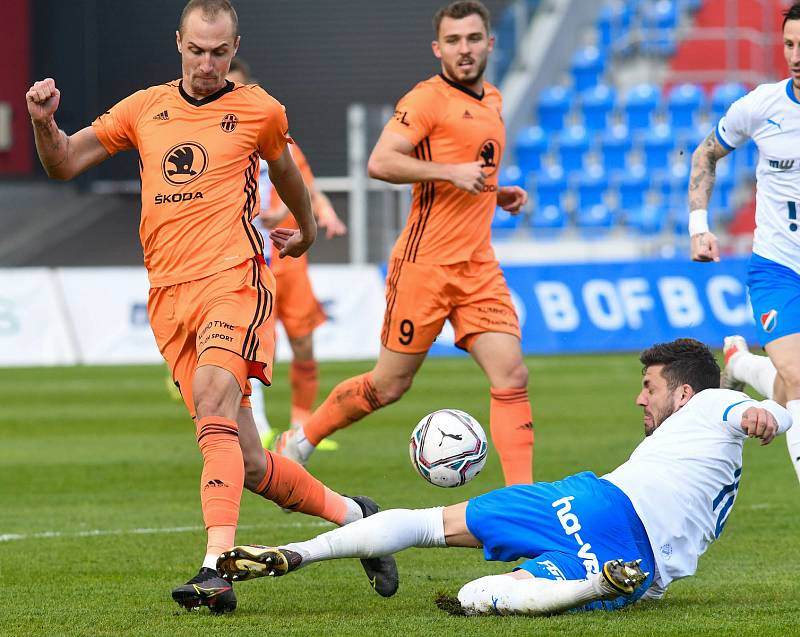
461,9
792,13
239,65
685,361
210,9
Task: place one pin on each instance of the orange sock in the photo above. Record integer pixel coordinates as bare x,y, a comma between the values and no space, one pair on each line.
511,425
349,401
304,379
223,472
289,485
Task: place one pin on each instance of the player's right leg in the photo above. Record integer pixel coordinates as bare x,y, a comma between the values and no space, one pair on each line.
351,400
416,308
369,539
784,352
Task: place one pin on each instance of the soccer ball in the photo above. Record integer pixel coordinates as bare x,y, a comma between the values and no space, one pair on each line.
448,448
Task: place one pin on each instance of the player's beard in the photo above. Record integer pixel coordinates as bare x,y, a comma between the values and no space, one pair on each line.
476,75
658,416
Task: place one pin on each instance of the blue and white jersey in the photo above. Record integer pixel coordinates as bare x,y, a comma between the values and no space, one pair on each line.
770,116
682,480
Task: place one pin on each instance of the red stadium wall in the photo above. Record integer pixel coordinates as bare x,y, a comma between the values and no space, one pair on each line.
697,53
15,34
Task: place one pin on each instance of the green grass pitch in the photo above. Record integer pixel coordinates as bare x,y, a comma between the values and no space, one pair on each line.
100,515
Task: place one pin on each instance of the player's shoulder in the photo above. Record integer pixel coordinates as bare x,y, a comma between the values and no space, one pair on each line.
765,95
431,89
254,94
717,400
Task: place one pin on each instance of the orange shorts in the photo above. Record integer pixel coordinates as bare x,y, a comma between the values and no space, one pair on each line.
225,319
419,297
295,304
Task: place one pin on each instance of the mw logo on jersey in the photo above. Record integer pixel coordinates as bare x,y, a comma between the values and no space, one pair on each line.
184,163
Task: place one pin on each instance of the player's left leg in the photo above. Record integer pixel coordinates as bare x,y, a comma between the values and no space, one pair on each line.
510,418
486,325
520,593
784,352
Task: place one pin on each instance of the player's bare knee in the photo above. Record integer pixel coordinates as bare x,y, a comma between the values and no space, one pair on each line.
392,390
789,374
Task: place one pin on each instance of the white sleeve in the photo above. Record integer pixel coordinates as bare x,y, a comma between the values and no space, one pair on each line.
735,127
733,414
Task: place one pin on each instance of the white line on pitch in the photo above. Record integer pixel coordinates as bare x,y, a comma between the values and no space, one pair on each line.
10,537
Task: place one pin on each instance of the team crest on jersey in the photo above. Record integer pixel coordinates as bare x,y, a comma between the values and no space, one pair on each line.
489,156
769,320
183,163
228,123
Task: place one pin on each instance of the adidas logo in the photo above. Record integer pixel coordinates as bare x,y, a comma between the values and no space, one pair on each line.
214,483
163,115
467,115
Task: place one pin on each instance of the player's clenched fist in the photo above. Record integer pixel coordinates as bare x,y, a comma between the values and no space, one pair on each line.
759,423
42,99
468,176
705,247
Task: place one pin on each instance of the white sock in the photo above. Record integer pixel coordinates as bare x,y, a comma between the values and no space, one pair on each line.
259,410
757,371
353,512
793,435
384,533
304,446
531,596
210,561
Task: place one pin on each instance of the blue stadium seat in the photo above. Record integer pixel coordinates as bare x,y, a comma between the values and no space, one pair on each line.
633,186
724,184
657,146
593,221
596,104
641,102
674,187
679,220
613,25
554,104
615,144
659,20
531,144
573,144
722,96
647,220
549,186
588,65
511,175
683,104
503,222
548,221
591,186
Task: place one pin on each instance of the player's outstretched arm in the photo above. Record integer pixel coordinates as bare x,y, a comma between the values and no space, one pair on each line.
62,156
288,182
705,246
391,161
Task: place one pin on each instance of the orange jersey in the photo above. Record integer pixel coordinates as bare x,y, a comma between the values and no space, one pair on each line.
449,124
274,202
198,161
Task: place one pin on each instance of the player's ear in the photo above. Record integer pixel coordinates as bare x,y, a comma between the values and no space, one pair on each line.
436,51
178,41
236,44
686,391
491,43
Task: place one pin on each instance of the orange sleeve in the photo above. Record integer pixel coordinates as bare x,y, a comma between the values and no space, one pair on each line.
116,128
415,115
274,133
